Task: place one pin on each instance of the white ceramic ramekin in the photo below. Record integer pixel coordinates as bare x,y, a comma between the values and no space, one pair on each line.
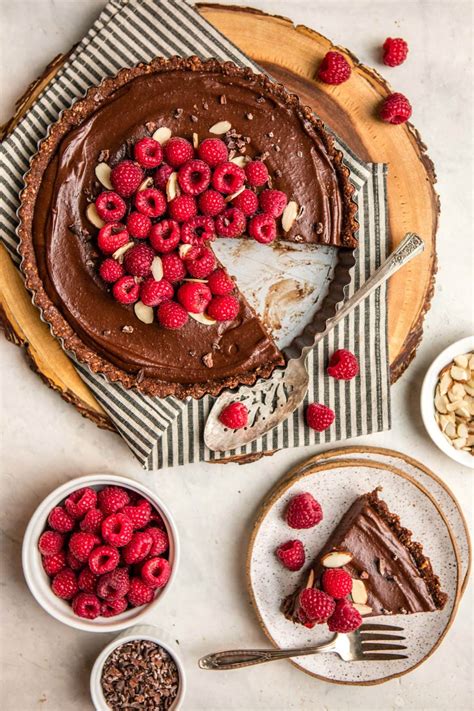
465,345
40,584
139,632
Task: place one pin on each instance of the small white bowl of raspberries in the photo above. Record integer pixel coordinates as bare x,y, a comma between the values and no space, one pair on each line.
100,552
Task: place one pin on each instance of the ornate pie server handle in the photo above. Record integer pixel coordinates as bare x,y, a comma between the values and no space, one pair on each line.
272,401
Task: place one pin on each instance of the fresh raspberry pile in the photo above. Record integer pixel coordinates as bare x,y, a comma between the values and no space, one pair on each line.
107,550
166,197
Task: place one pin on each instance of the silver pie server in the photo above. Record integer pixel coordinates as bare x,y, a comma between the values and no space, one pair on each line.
271,401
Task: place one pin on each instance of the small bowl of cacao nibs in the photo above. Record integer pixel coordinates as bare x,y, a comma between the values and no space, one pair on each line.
138,670
100,552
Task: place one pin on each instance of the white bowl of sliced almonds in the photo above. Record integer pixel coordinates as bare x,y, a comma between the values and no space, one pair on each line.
447,401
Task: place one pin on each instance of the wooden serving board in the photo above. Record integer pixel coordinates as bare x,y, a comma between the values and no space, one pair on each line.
291,55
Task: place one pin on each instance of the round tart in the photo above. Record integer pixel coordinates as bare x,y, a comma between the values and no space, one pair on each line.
163,340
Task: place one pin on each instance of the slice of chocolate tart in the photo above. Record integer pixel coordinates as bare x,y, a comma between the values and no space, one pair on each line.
391,574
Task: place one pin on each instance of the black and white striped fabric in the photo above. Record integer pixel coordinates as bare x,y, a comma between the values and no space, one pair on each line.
166,432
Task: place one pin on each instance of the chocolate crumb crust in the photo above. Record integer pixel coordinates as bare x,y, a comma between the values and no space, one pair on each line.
71,119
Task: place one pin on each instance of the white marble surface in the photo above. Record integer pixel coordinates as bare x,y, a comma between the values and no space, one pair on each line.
44,441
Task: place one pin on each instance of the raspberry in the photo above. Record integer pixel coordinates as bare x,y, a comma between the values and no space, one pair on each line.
110,270
182,208
230,223
111,237
173,267
86,605
223,308
303,511
110,608
178,151
194,297
60,520
50,542
148,152
52,564
336,582
247,202
126,177
212,151
211,203
138,548
257,173
112,498
200,262
126,290
291,555
262,228
151,202
334,69
138,225
103,559
81,544
73,562
343,365
110,207
220,283
194,177
113,585
319,417
139,593
345,618
160,540
172,315
117,530
317,605
395,109
64,584
235,416
80,502
153,293
198,230
165,236
87,580
162,175
92,521
155,572
138,259
228,178
394,51
273,202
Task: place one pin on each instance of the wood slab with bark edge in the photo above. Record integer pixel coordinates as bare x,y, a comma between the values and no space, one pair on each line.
291,54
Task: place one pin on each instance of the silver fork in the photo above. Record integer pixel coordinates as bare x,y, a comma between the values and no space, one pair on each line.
371,642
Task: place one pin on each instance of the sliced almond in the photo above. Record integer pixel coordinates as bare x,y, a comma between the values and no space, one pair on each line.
469,390
234,195
464,410
471,361
336,559
162,135
459,443
93,216
241,161
452,406
462,430
363,609
202,318
441,404
310,581
172,187
220,127
450,430
470,441
460,374
359,592
462,361
157,268
147,183
102,173
195,140
184,249
290,213
144,313
444,383
457,392
118,254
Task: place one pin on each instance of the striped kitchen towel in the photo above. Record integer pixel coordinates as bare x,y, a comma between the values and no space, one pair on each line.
167,432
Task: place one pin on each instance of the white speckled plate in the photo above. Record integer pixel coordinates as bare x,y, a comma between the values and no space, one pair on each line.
445,498
336,485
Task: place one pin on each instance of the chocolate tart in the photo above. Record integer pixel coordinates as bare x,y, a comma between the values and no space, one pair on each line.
397,576
187,96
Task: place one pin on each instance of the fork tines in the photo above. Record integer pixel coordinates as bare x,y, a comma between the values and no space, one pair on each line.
376,640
